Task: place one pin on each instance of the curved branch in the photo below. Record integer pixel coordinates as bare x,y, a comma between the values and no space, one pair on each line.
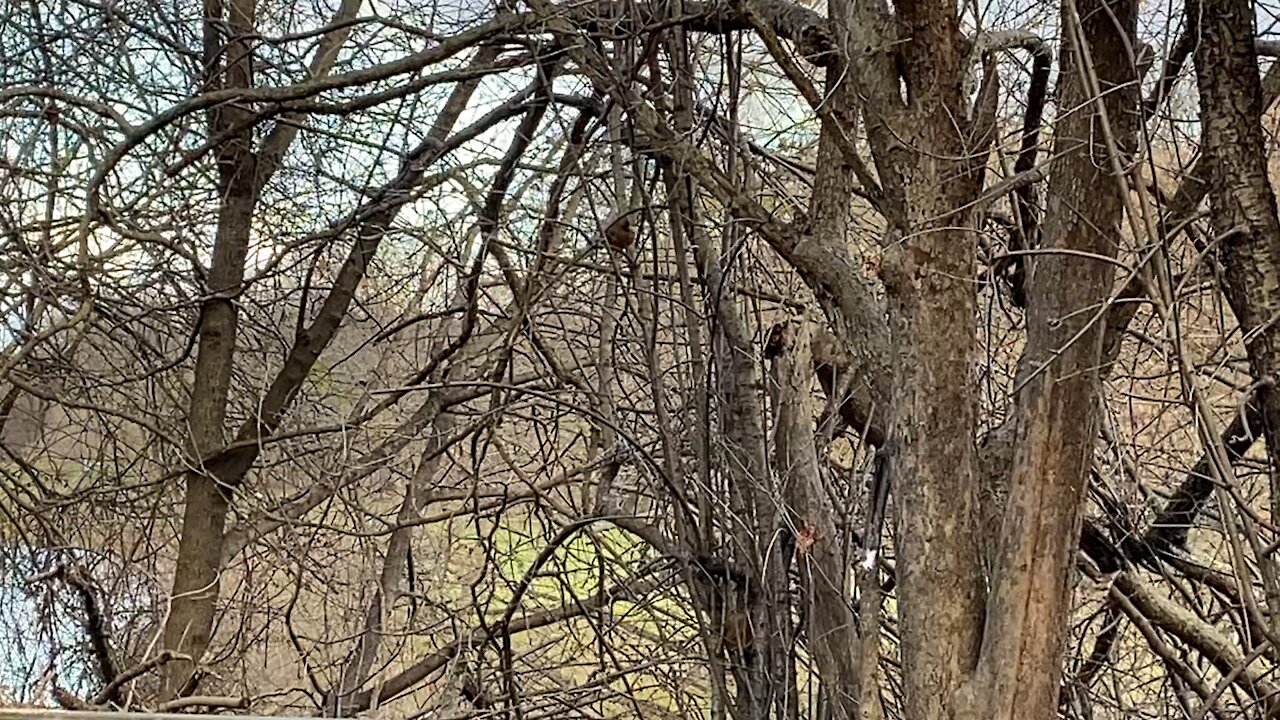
1221,651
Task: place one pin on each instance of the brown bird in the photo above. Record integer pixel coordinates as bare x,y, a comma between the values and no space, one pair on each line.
619,233
739,637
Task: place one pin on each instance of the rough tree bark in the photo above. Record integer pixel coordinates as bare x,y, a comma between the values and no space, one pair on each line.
929,147
1243,204
929,150
1057,407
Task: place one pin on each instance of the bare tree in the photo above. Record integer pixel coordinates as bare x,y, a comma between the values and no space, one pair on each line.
456,360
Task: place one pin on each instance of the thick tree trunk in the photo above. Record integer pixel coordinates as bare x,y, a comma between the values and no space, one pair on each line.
928,274
1057,406
939,576
1242,200
929,156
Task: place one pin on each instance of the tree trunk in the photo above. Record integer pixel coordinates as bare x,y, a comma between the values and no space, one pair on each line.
928,273
832,632
1243,204
210,488
939,576
195,580
1057,406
